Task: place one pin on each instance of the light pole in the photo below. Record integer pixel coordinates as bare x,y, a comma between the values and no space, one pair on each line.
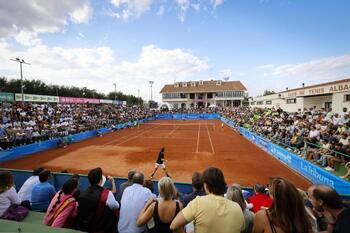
151,83
115,91
138,97
20,61
226,79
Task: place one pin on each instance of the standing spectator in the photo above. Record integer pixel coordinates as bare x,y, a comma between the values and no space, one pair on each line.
133,200
25,192
327,200
8,194
212,212
163,210
126,184
260,198
197,186
43,192
286,214
63,207
235,194
96,205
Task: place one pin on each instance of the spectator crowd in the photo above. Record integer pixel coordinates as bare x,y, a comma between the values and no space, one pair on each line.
213,206
36,122
327,134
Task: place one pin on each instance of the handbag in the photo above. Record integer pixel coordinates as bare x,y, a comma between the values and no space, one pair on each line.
15,212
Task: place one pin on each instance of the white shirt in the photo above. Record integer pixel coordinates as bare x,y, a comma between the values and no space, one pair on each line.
111,202
25,193
7,198
133,200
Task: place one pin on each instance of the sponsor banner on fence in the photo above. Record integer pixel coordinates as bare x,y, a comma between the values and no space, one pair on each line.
75,100
6,97
104,101
192,116
37,98
314,173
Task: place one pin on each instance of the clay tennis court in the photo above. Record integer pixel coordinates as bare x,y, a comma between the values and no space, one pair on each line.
190,145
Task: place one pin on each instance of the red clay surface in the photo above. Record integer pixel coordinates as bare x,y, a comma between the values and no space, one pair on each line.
187,149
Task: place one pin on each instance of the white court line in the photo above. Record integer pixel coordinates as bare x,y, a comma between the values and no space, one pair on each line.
167,138
211,143
171,132
199,130
117,139
135,136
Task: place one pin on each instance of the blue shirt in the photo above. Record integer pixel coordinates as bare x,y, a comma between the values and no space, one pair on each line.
42,194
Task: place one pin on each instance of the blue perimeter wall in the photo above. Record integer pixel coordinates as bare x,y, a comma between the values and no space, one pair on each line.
307,169
314,173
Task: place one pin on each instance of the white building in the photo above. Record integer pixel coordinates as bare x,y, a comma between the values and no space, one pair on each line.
204,93
335,95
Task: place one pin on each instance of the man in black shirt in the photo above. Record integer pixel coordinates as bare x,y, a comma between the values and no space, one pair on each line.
160,163
327,200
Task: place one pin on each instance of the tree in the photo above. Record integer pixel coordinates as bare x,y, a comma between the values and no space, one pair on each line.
268,92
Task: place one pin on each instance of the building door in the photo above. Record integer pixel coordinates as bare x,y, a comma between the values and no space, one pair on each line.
327,105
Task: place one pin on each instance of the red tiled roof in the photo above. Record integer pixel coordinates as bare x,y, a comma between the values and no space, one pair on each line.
208,86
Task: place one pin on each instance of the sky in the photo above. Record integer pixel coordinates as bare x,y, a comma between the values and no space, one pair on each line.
265,44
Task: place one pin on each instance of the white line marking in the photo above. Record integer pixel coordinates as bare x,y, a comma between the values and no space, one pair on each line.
199,130
171,132
211,143
135,136
117,139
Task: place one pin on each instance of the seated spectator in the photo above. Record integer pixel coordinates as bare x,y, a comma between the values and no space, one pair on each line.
126,184
197,186
25,192
286,214
63,207
260,198
96,205
347,174
212,212
327,200
163,210
8,194
43,192
235,194
133,200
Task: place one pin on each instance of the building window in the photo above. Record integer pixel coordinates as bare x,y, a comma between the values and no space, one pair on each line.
218,83
291,101
260,102
201,82
183,96
219,94
347,98
268,102
209,95
252,103
193,84
184,84
191,95
176,85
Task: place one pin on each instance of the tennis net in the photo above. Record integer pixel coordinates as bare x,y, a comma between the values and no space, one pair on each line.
165,126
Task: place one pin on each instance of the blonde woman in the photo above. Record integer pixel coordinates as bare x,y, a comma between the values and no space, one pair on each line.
8,194
234,193
163,210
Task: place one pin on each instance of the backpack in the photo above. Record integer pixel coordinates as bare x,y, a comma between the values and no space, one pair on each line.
15,212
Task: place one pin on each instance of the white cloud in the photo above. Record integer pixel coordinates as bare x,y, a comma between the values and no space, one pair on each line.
82,15
217,2
98,68
127,9
26,19
323,66
161,11
133,8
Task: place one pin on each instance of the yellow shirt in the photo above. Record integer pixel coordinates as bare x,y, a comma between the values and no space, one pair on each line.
214,214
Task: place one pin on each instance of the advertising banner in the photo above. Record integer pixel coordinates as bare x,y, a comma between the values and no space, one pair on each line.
6,97
314,173
190,116
37,98
104,101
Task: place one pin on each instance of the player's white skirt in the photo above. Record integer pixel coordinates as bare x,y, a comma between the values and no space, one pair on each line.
157,165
